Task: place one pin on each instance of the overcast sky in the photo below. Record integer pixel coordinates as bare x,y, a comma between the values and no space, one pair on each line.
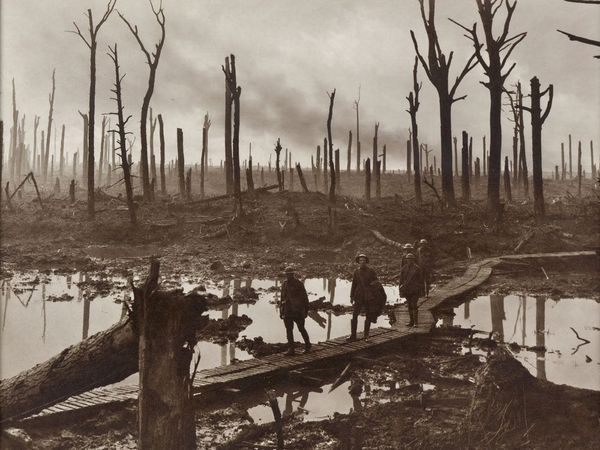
289,54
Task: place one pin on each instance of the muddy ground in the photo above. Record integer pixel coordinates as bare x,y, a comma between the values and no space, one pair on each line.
429,392
202,242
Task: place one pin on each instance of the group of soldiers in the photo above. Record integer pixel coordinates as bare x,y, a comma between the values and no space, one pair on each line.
366,294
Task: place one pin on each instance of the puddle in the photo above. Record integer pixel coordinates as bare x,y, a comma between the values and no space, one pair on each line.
43,314
542,323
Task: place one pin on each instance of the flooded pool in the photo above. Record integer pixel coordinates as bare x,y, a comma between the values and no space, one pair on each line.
43,314
541,323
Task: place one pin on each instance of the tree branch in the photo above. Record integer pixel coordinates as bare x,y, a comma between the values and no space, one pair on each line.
550,91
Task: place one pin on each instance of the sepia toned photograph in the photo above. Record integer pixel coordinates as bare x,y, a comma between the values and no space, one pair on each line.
283,224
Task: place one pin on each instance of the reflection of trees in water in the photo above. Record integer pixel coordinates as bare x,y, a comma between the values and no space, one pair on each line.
498,315
467,309
540,335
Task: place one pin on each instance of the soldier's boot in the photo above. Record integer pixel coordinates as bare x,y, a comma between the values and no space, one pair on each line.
411,314
416,317
307,344
353,326
290,351
367,328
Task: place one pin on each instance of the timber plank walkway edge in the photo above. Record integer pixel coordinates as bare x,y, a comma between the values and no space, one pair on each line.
267,367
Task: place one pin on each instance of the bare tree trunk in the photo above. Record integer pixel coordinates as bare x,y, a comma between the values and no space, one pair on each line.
356,105
384,158
101,162
228,152
337,169
507,191
570,160
188,185
466,186
318,167
332,168
368,179
180,163
413,102
278,149
13,137
349,157
122,134
579,169
152,157
203,167
49,128
522,154
249,178
161,132
408,158
594,171
375,159
454,140
152,59
484,158
62,150
325,167
562,161
301,178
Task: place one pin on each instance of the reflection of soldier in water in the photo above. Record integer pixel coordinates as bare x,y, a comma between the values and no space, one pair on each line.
498,315
540,335
291,397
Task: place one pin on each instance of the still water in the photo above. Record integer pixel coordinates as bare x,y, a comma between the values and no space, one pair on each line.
541,322
43,314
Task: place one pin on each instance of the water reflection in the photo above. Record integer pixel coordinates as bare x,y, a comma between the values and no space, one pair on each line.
44,314
554,355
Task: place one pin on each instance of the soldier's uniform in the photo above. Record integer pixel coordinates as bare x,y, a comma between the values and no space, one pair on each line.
411,287
362,299
294,309
425,262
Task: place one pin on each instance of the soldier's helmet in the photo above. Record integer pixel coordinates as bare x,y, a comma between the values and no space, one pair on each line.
289,269
410,256
408,247
361,255
423,242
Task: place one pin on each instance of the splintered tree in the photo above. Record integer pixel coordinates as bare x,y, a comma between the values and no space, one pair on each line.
122,134
499,50
152,59
376,167
331,206
228,105
236,92
356,103
437,68
278,149
413,107
537,121
161,133
203,168
49,129
91,42
466,173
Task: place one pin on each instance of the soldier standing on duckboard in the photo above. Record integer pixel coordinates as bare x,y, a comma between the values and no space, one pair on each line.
294,309
411,287
425,262
361,295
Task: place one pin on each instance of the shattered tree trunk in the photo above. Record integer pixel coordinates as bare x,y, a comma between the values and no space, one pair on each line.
349,157
522,156
249,178
466,188
228,153
337,169
408,158
579,168
62,151
332,168
507,191
166,324
301,178
180,163
161,132
368,179
455,156
570,159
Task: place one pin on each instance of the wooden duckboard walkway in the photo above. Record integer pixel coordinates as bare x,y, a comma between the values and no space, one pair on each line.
278,365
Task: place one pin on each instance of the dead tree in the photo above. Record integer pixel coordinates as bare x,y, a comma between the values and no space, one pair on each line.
278,149
537,120
161,133
376,165
188,185
236,92
466,173
579,170
301,178
228,107
36,123
152,59
325,166
522,155
494,70
477,171
203,167
570,158
152,157
121,133
562,161
62,151
413,107
484,157
91,42
180,163
349,158
49,128
249,178
356,104
13,137
368,179
437,68
594,169
507,191
337,169
1,156
454,140
101,162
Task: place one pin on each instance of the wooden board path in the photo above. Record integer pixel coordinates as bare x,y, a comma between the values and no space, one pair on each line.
277,365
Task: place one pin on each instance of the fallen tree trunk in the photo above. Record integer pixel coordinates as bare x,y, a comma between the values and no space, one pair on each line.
104,358
226,196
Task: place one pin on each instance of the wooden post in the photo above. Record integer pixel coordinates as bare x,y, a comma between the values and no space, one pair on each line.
368,179
301,178
180,163
507,191
466,188
562,161
188,185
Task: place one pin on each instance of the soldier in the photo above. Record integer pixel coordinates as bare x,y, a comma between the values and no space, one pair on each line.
411,286
361,295
425,262
406,249
294,309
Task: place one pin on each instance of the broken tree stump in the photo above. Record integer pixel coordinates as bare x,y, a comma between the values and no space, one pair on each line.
301,177
166,322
